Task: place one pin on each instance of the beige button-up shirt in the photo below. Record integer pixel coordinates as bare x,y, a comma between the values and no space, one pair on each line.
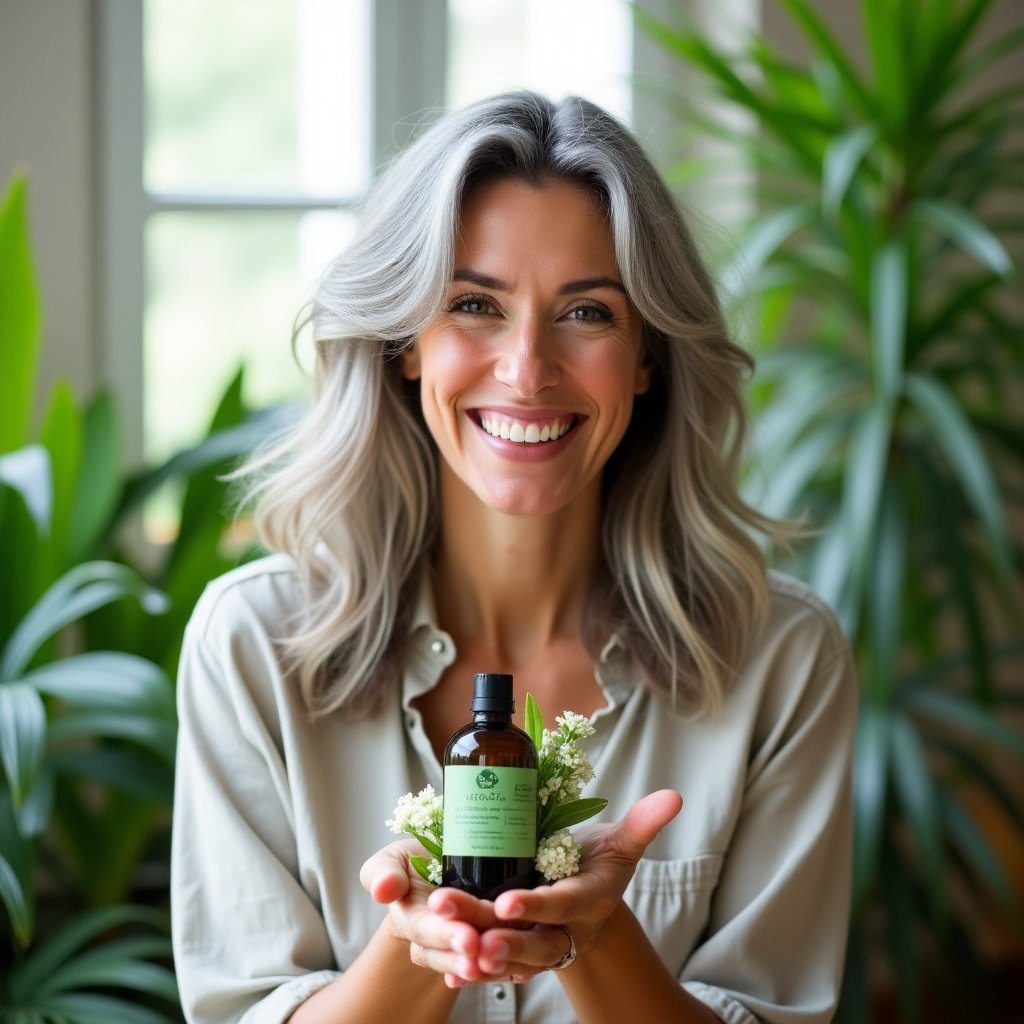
744,895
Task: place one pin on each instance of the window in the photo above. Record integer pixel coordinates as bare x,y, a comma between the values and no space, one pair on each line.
235,147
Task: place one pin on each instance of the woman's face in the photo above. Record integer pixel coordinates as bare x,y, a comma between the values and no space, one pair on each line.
528,373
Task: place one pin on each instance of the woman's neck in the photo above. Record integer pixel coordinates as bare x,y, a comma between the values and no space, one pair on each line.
514,585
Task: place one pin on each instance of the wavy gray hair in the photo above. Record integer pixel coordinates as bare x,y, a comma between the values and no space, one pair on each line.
350,493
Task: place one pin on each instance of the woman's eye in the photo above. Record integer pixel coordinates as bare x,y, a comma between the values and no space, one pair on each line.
590,314
472,304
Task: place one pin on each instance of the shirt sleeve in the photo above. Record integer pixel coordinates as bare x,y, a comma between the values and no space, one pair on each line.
774,947
250,944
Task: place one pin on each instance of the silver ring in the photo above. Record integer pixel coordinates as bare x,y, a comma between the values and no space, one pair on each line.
570,956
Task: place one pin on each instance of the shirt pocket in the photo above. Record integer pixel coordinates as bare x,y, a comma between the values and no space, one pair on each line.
672,901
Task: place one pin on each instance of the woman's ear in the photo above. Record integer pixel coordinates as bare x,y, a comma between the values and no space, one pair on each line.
410,357
643,375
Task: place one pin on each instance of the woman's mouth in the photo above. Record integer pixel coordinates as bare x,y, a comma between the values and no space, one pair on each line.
508,428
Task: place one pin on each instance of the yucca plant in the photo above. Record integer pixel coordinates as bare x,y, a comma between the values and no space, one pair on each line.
104,716
878,283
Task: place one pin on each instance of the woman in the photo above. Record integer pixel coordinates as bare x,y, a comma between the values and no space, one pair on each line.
520,458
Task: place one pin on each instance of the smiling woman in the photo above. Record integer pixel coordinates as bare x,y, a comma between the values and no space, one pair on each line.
520,459
541,369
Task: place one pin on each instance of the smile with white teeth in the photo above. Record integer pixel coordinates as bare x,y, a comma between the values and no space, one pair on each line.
525,433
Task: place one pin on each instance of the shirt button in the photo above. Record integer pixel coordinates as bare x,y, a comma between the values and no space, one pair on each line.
438,646
500,994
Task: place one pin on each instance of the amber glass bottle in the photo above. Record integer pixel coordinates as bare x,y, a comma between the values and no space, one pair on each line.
490,797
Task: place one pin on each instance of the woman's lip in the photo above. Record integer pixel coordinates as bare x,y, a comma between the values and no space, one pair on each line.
525,415
520,449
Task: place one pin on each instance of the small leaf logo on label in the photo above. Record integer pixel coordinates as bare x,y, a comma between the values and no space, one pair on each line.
487,779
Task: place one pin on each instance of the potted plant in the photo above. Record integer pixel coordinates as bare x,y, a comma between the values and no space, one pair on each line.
88,646
879,281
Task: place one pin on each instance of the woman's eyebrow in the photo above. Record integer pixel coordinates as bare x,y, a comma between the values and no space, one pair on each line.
584,284
483,280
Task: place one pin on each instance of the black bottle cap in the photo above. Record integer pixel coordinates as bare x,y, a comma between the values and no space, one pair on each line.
492,691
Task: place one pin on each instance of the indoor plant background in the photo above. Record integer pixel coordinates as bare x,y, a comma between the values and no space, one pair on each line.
88,647
878,282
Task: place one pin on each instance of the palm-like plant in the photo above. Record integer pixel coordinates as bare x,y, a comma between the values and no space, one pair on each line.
879,271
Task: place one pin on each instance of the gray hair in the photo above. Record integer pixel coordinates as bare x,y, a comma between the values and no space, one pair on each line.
351,492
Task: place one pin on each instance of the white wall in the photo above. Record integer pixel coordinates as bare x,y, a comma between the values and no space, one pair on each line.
46,124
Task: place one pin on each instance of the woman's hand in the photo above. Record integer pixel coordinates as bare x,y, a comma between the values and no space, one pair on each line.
581,903
448,944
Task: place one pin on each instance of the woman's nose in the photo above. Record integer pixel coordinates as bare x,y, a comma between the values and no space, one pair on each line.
527,363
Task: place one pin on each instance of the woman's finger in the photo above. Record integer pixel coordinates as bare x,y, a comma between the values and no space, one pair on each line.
522,951
385,875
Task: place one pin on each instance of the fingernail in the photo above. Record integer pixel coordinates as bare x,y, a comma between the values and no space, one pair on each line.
499,968
515,910
500,951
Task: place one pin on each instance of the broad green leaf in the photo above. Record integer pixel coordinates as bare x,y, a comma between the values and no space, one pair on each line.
22,737
218,447
99,484
569,814
17,872
20,317
88,1008
889,60
13,897
108,966
977,770
421,865
534,721
885,588
889,301
957,564
37,808
842,159
427,843
809,393
903,919
132,770
27,471
205,494
953,433
825,43
106,680
964,230
963,715
831,566
786,483
867,465
47,957
61,435
79,591
918,797
158,735
977,852
948,34
768,234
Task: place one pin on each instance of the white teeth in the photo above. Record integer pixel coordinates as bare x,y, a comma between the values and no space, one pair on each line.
510,430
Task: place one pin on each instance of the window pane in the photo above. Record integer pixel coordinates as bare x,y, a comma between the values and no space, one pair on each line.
572,46
257,98
225,289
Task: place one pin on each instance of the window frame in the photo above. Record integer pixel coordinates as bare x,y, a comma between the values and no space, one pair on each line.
408,63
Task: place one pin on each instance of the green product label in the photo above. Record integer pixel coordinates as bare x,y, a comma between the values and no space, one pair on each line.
490,811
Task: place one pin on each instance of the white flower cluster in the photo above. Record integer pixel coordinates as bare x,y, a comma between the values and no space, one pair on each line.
422,814
559,855
564,768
